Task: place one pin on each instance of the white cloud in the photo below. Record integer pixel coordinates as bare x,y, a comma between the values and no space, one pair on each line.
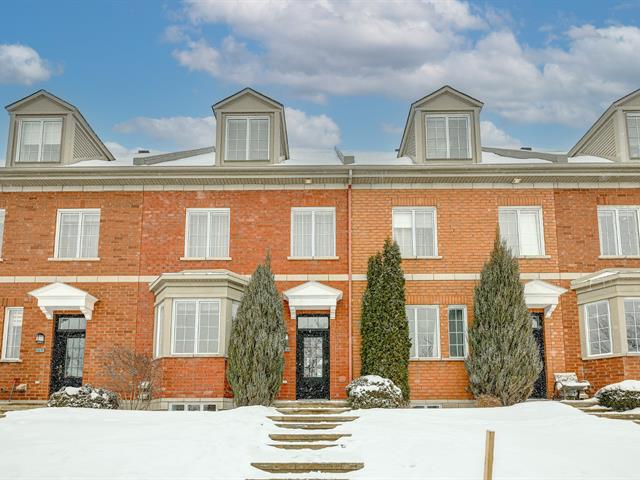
184,132
329,47
20,64
306,131
493,136
392,129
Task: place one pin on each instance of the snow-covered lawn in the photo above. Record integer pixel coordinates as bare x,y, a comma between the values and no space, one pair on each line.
533,440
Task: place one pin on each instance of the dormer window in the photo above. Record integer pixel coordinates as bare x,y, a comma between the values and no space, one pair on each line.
448,136
247,138
39,140
633,131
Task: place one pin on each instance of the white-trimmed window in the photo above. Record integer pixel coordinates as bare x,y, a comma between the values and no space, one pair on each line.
2,215
448,135
247,138
39,140
12,333
424,330
598,328
632,323
313,232
457,315
415,231
618,228
633,132
77,233
196,326
521,229
207,234
159,314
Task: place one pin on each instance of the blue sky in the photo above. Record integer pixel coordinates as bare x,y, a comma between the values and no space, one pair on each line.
145,73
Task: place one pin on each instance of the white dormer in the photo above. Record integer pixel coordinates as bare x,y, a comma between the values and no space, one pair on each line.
250,130
46,130
443,127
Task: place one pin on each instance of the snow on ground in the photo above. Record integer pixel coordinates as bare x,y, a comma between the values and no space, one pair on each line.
541,440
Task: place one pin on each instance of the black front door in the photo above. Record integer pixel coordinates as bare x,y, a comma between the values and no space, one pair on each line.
312,357
68,352
537,322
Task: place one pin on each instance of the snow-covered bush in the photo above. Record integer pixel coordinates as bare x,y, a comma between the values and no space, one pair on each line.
85,396
620,396
373,391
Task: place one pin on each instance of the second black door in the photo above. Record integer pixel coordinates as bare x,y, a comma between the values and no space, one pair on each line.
312,357
68,352
537,322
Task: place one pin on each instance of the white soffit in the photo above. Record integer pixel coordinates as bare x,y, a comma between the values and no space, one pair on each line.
539,294
312,296
60,296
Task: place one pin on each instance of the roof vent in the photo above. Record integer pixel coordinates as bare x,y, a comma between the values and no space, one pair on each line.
528,149
143,151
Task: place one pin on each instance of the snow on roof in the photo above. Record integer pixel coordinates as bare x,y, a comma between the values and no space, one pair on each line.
588,159
494,159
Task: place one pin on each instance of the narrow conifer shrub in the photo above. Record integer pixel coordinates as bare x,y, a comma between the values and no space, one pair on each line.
504,360
384,329
256,348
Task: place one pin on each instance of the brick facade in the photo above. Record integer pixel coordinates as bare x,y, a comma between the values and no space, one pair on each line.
142,236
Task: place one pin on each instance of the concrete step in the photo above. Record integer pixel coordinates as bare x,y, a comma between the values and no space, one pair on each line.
310,403
307,437
302,446
593,409
312,418
580,403
308,426
13,406
312,411
307,467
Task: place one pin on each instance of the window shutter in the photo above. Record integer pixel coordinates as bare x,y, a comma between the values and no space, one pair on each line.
302,234
508,220
402,231
219,235
258,139
607,226
628,221
436,137
324,234
197,234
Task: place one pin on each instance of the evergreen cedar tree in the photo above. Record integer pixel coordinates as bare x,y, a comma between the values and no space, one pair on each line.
384,330
258,337
504,360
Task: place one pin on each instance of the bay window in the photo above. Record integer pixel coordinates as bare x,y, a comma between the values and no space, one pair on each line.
598,328
196,326
424,331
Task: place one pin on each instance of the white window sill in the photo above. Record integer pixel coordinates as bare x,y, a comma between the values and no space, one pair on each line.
604,355
533,257
192,355
619,257
432,257
420,359
88,259
313,258
455,359
205,259
8,360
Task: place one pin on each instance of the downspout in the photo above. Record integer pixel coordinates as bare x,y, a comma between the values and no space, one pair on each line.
350,289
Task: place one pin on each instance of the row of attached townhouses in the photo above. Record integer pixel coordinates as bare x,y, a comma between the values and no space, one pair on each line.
153,255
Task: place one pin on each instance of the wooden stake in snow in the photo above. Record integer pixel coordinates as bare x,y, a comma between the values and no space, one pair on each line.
488,455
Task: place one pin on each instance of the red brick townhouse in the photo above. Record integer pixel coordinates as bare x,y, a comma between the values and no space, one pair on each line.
154,254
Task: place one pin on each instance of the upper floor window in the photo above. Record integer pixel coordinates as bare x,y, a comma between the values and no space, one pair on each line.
598,328
448,136
247,138
313,232
12,333
521,229
196,326
39,140
633,131
207,233
77,233
414,229
457,331
424,331
619,231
